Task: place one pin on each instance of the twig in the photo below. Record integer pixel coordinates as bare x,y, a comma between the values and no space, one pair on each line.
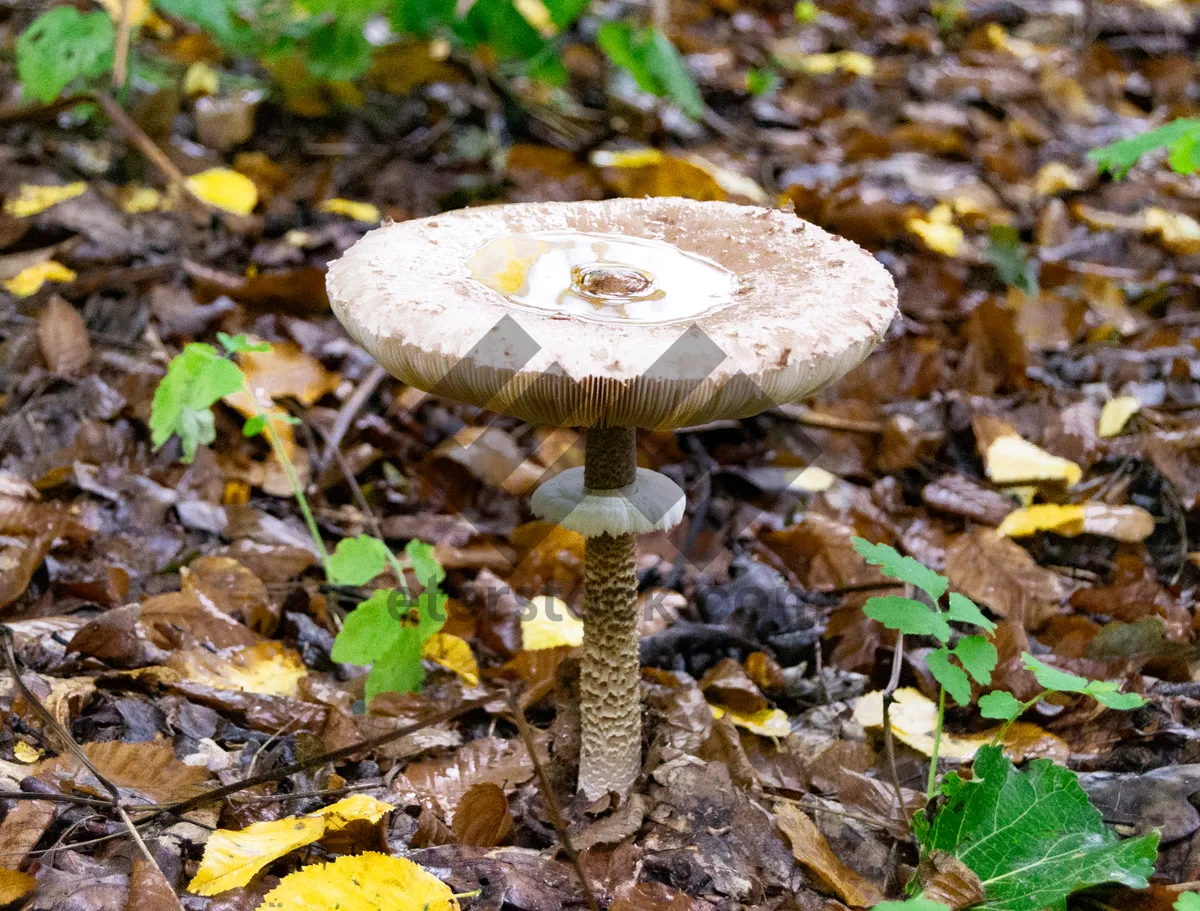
806,417
888,740
348,412
121,56
547,788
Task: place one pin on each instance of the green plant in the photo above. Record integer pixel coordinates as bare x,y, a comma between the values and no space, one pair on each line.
1030,834
1181,139
1188,901
654,63
63,46
387,631
1010,259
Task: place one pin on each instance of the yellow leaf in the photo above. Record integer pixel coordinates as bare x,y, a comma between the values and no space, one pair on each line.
28,281
1130,524
550,626
765,723
14,885
363,882
226,189
1011,459
359,211
267,668
1116,414
138,10
1179,233
811,479
454,654
233,858
938,231
32,198
839,61
135,199
1056,177
536,14
26,752
914,718
201,79
651,172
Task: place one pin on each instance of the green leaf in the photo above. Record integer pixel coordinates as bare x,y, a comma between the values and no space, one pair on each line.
1031,835
978,657
357,561
906,569
1188,901
498,24
389,632
426,568
1007,255
422,18
951,676
221,19
1108,694
370,631
913,904
907,616
1179,137
805,11
563,13
196,379
761,81
63,45
237,344
656,66
1000,705
338,51
963,610
1052,678
254,426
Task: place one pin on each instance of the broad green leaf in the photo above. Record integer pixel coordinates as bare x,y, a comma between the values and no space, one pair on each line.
978,656
339,51
498,24
963,610
422,18
370,631
761,81
1188,901
1000,705
951,676
906,569
913,904
1007,255
196,379
1108,694
1052,678
357,561
563,13
907,616
63,45
428,570
1031,835
221,19
240,343
656,66
1178,136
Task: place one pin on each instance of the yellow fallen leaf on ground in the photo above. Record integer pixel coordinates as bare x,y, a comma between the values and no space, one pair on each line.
226,189
267,668
14,885
363,882
1130,524
32,199
938,231
652,172
26,752
767,723
1011,459
454,654
1178,232
201,79
811,479
549,625
1116,414
914,719
233,858
138,10
359,211
837,62
134,199
29,281
812,850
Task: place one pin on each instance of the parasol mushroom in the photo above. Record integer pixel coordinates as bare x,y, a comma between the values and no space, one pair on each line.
612,316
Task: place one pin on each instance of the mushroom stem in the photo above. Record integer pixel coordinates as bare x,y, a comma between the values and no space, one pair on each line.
611,752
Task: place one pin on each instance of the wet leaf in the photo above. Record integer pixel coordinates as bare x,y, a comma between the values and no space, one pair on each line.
454,654
813,852
547,622
1116,414
267,668
365,882
766,722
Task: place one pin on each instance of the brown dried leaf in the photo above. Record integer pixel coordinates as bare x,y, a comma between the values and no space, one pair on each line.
149,889
813,852
728,683
997,572
22,829
63,337
654,897
947,880
188,617
443,782
234,589
482,817
147,767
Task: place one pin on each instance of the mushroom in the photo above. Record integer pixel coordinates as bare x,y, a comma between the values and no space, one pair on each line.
613,316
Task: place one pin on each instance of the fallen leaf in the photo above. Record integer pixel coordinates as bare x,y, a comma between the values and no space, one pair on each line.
1130,524
1010,459
32,198
1116,414
938,231
134,199
995,571
15,884
853,62
201,79
652,172
364,882
63,337
20,832
547,622
947,880
149,889
914,720
766,723
233,858
442,782
30,279
226,189
267,668
26,752
812,851
454,654
359,211
482,817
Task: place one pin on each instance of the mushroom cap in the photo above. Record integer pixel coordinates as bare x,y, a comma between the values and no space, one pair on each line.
655,313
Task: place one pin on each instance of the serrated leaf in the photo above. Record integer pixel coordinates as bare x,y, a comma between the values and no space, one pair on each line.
1052,678
1032,836
1119,157
357,561
895,566
362,882
240,344
907,616
978,657
964,610
1108,694
951,676
1188,901
1000,705
196,379
63,45
428,570
656,66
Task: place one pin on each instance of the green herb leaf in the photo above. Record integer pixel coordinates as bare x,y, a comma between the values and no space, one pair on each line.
951,676
1007,255
1000,705
1052,678
1031,835
1179,137
63,45
1108,694
907,616
357,561
963,610
428,570
978,657
237,344
1188,901
196,379
761,82
222,19
656,66
371,630
913,904
422,18
906,569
